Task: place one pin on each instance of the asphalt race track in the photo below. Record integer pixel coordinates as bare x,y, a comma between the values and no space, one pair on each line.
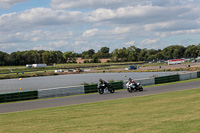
72,100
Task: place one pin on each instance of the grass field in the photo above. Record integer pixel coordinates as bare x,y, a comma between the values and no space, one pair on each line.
174,112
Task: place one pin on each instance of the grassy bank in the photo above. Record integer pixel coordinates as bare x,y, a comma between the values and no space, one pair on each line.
174,112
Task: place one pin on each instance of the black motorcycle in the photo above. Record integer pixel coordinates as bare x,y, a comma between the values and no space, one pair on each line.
102,88
133,87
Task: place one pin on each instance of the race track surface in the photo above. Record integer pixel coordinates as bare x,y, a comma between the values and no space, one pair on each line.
72,100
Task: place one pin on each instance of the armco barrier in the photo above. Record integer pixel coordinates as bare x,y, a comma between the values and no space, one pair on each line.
166,79
146,81
190,75
62,91
92,88
18,96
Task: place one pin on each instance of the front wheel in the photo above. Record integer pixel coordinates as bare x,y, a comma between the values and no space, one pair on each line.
129,90
101,91
111,90
140,89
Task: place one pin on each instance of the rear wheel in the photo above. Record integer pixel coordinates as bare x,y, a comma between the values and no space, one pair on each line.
140,89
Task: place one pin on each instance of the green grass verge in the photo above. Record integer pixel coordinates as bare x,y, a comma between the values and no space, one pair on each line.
174,112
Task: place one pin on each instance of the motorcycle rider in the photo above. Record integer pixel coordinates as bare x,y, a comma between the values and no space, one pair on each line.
102,83
131,81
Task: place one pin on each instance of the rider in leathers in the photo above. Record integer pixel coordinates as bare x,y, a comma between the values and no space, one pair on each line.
102,83
131,81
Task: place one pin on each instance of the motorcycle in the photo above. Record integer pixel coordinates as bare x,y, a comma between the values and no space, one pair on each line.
132,87
103,88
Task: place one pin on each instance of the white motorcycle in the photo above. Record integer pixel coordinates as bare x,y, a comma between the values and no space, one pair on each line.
133,87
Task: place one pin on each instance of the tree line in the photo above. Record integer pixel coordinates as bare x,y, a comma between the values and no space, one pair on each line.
131,53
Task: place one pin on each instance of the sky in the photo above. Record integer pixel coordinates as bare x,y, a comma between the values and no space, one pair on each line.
80,25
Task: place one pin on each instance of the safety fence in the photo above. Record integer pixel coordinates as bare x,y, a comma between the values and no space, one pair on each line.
166,79
198,74
18,96
92,88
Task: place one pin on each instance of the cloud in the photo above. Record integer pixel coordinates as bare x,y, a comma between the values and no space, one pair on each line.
187,32
90,33
59,43
43,47
5,4
149,41
38,17
111,4
92,4
130,43
89,23
7,45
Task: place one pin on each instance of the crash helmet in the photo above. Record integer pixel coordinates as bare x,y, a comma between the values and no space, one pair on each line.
100,80
129,79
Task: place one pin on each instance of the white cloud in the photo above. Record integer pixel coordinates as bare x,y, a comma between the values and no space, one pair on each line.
80,43
121,30
59,44
149,41
43,47
38,18
187,32
94,4
5,4
90,33
5,46
130,43
91,4
90,23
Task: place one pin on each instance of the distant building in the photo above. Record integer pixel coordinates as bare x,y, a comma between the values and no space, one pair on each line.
29,65
35,65
175,61
39,65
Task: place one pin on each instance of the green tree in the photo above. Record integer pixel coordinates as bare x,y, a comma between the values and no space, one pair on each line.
115,55
45,57
133,53
4,58
191,51
142,55
88,54
123,54
173,52
105,52
69,57
151,55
